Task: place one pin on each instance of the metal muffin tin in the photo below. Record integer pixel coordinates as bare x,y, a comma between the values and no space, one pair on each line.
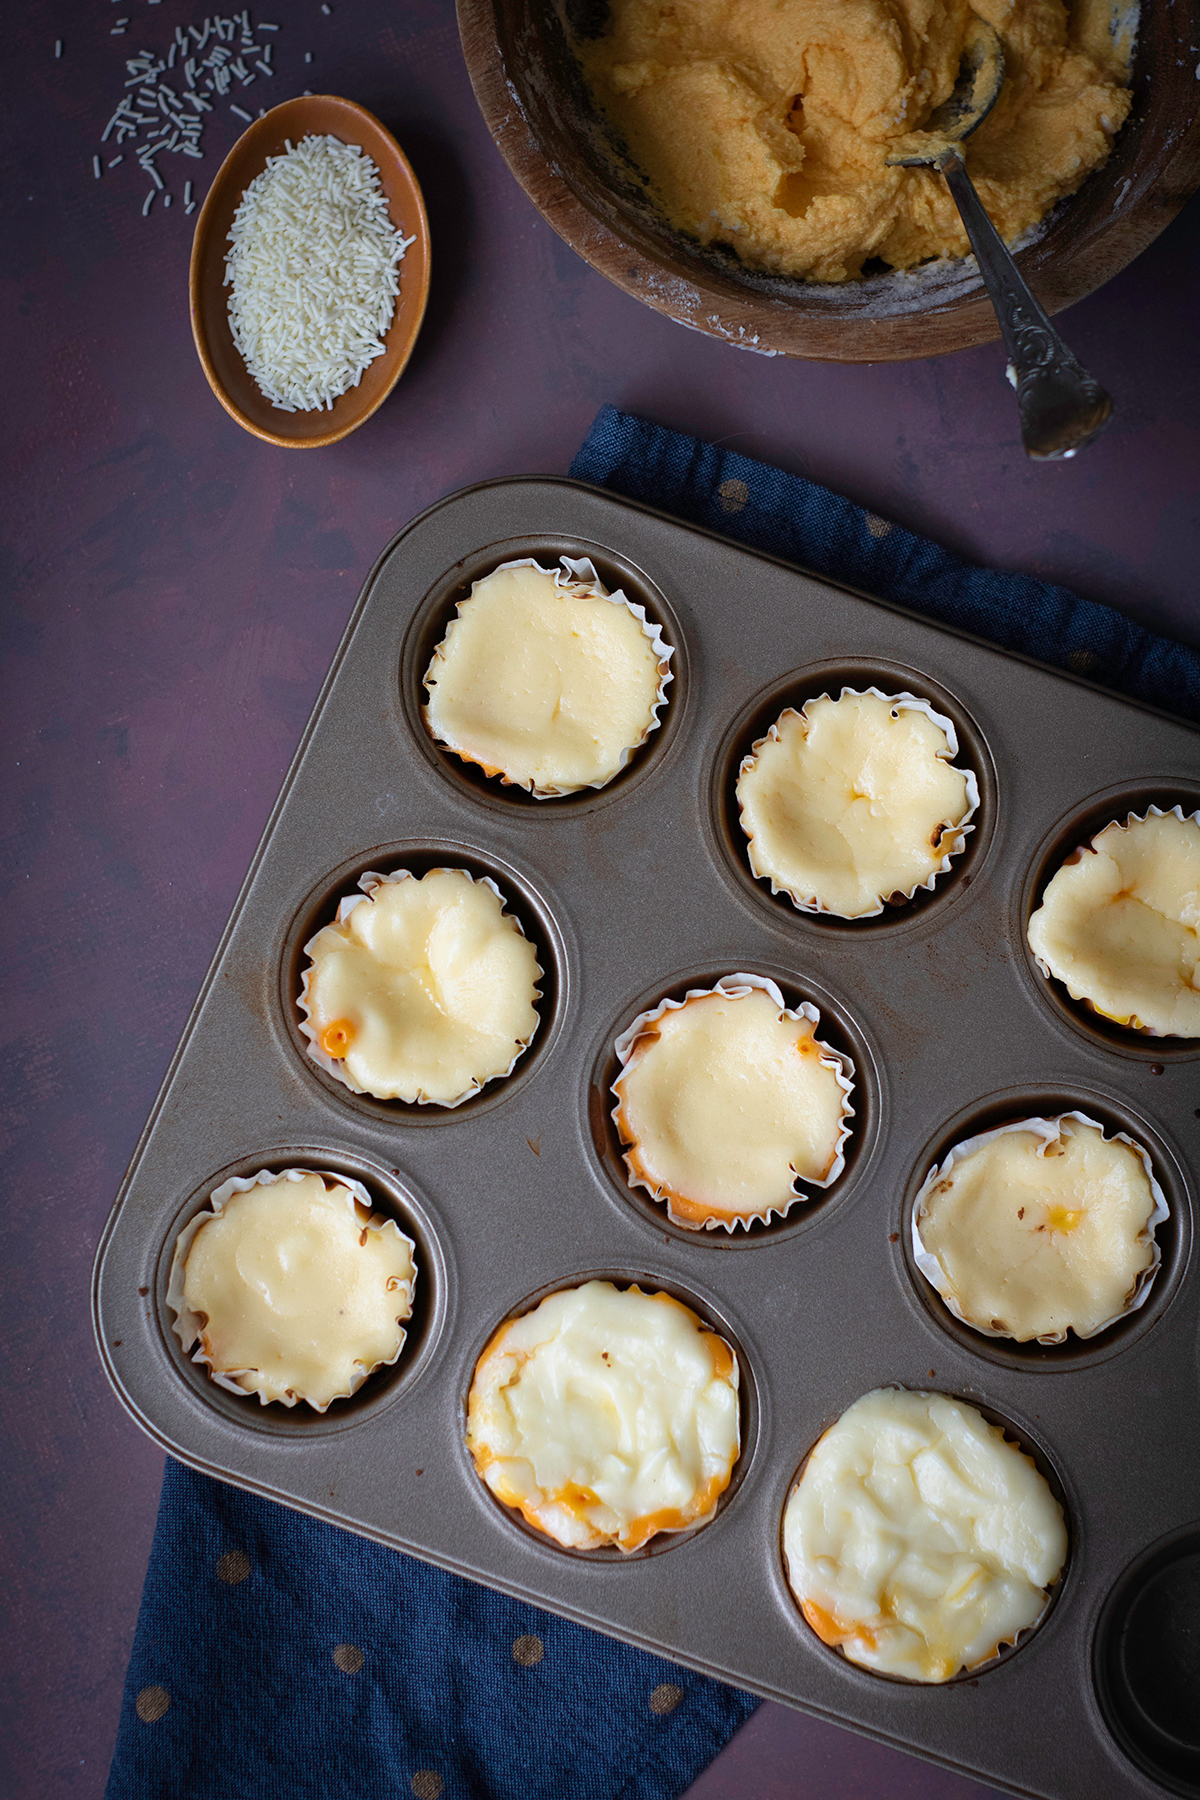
632,892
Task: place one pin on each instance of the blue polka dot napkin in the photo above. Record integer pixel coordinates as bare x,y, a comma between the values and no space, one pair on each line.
279,1658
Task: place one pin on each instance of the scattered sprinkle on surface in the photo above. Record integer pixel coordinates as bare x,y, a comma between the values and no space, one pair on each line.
168,96
96,167
314,273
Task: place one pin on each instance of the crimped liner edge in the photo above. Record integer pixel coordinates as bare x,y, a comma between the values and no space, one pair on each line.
735,987
586,584
1077,855
369,882
1050,1132
905,702
186,1324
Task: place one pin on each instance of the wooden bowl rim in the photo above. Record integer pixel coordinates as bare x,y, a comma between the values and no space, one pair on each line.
268,126
753,321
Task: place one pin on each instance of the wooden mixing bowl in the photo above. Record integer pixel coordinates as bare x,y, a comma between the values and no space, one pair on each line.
537,108
227,374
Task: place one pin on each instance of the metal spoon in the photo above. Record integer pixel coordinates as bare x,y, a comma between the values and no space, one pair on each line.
1061,406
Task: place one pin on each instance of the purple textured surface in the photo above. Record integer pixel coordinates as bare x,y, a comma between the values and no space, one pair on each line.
174,592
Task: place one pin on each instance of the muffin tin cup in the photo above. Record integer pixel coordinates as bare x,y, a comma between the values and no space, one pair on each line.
187,1325
710,1314
1049,1131
634,893
579,573
962,826
323,906
886,680
1070,834
734,987
1172,1226
1029,1443
369,884
389,1197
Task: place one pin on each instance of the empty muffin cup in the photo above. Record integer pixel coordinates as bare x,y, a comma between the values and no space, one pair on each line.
1148,1665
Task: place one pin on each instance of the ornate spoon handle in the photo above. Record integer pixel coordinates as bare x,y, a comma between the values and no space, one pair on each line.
1061,406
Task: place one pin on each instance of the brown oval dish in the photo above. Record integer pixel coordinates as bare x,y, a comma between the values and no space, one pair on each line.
227,374
533,98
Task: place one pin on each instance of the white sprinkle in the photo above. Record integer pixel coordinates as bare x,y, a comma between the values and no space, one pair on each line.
187,193
166,199
190,207
268,27
241,114
308,56
265,67
147,203
96,167
117,31
326,10
113,161
320,209
57,48
154,175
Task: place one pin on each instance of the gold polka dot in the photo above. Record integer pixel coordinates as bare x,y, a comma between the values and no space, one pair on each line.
152,1703
349,1658
876,526
528,1650
733,495
426,1784
665,1697
233,1567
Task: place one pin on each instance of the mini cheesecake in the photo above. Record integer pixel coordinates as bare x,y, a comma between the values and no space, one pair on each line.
852,803
1119,924
919,1540
727,1100
605,1416
546,680
1041,1227
422,990
292,1287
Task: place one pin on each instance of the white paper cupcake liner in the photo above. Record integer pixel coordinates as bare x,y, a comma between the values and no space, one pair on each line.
905,703
187,1325
579,577
1050,1132
1077,855
734,987
335,1066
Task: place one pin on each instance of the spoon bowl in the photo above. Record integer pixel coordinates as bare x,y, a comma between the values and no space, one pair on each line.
220,358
